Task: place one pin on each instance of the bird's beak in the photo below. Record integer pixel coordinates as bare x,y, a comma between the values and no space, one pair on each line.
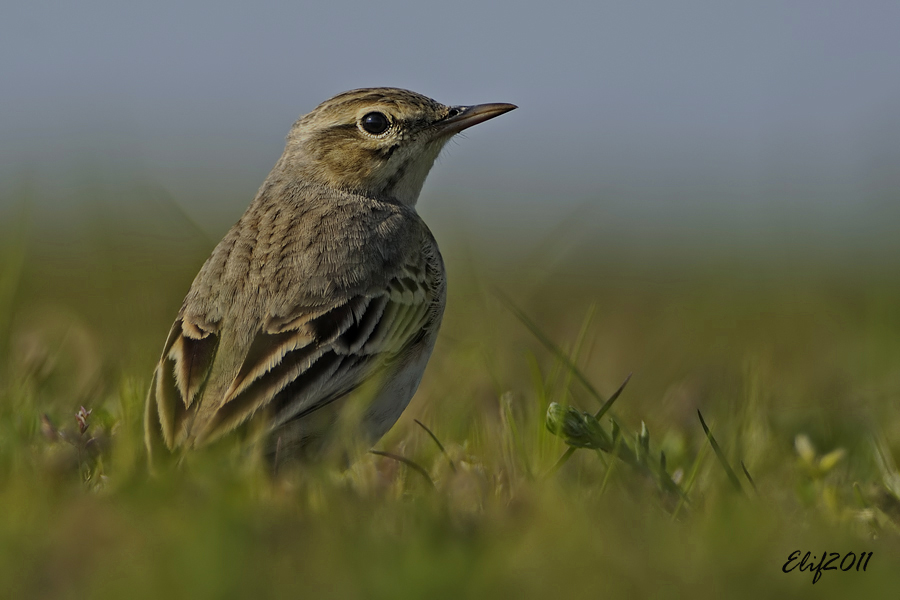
466,116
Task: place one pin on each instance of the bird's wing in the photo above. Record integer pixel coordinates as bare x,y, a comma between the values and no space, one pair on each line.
296,362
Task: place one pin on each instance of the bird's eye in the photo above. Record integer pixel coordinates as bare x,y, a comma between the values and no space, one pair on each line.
375,123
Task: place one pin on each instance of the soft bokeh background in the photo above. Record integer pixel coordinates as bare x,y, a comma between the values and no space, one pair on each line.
705,194
705,123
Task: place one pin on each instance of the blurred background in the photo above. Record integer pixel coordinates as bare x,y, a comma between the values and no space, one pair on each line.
686,127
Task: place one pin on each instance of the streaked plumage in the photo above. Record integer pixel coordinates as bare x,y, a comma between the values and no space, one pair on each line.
313,319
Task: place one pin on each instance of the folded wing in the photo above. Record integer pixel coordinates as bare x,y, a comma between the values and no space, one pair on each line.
295,364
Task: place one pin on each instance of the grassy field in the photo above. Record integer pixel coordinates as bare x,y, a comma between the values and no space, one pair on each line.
795,366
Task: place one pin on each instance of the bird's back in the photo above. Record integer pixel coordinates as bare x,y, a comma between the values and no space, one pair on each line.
308,295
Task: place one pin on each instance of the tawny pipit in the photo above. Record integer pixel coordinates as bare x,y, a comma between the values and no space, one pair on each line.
325,299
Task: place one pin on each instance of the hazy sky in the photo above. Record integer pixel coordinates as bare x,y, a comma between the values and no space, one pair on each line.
658,107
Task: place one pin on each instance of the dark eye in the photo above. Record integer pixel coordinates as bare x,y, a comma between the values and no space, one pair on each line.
375,123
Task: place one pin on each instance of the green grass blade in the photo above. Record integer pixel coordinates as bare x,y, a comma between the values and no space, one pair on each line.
438,442
747,475
548,343
720,455
409,463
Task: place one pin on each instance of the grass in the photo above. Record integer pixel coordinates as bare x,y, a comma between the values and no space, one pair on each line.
793,367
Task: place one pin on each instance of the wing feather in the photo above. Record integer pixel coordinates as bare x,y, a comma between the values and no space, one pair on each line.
311,373
181,373
191,358
296,362
355,337
266,355
309,362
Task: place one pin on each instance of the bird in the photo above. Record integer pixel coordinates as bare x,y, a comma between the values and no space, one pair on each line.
309,327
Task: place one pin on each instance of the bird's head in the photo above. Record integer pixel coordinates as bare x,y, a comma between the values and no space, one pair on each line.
380,142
